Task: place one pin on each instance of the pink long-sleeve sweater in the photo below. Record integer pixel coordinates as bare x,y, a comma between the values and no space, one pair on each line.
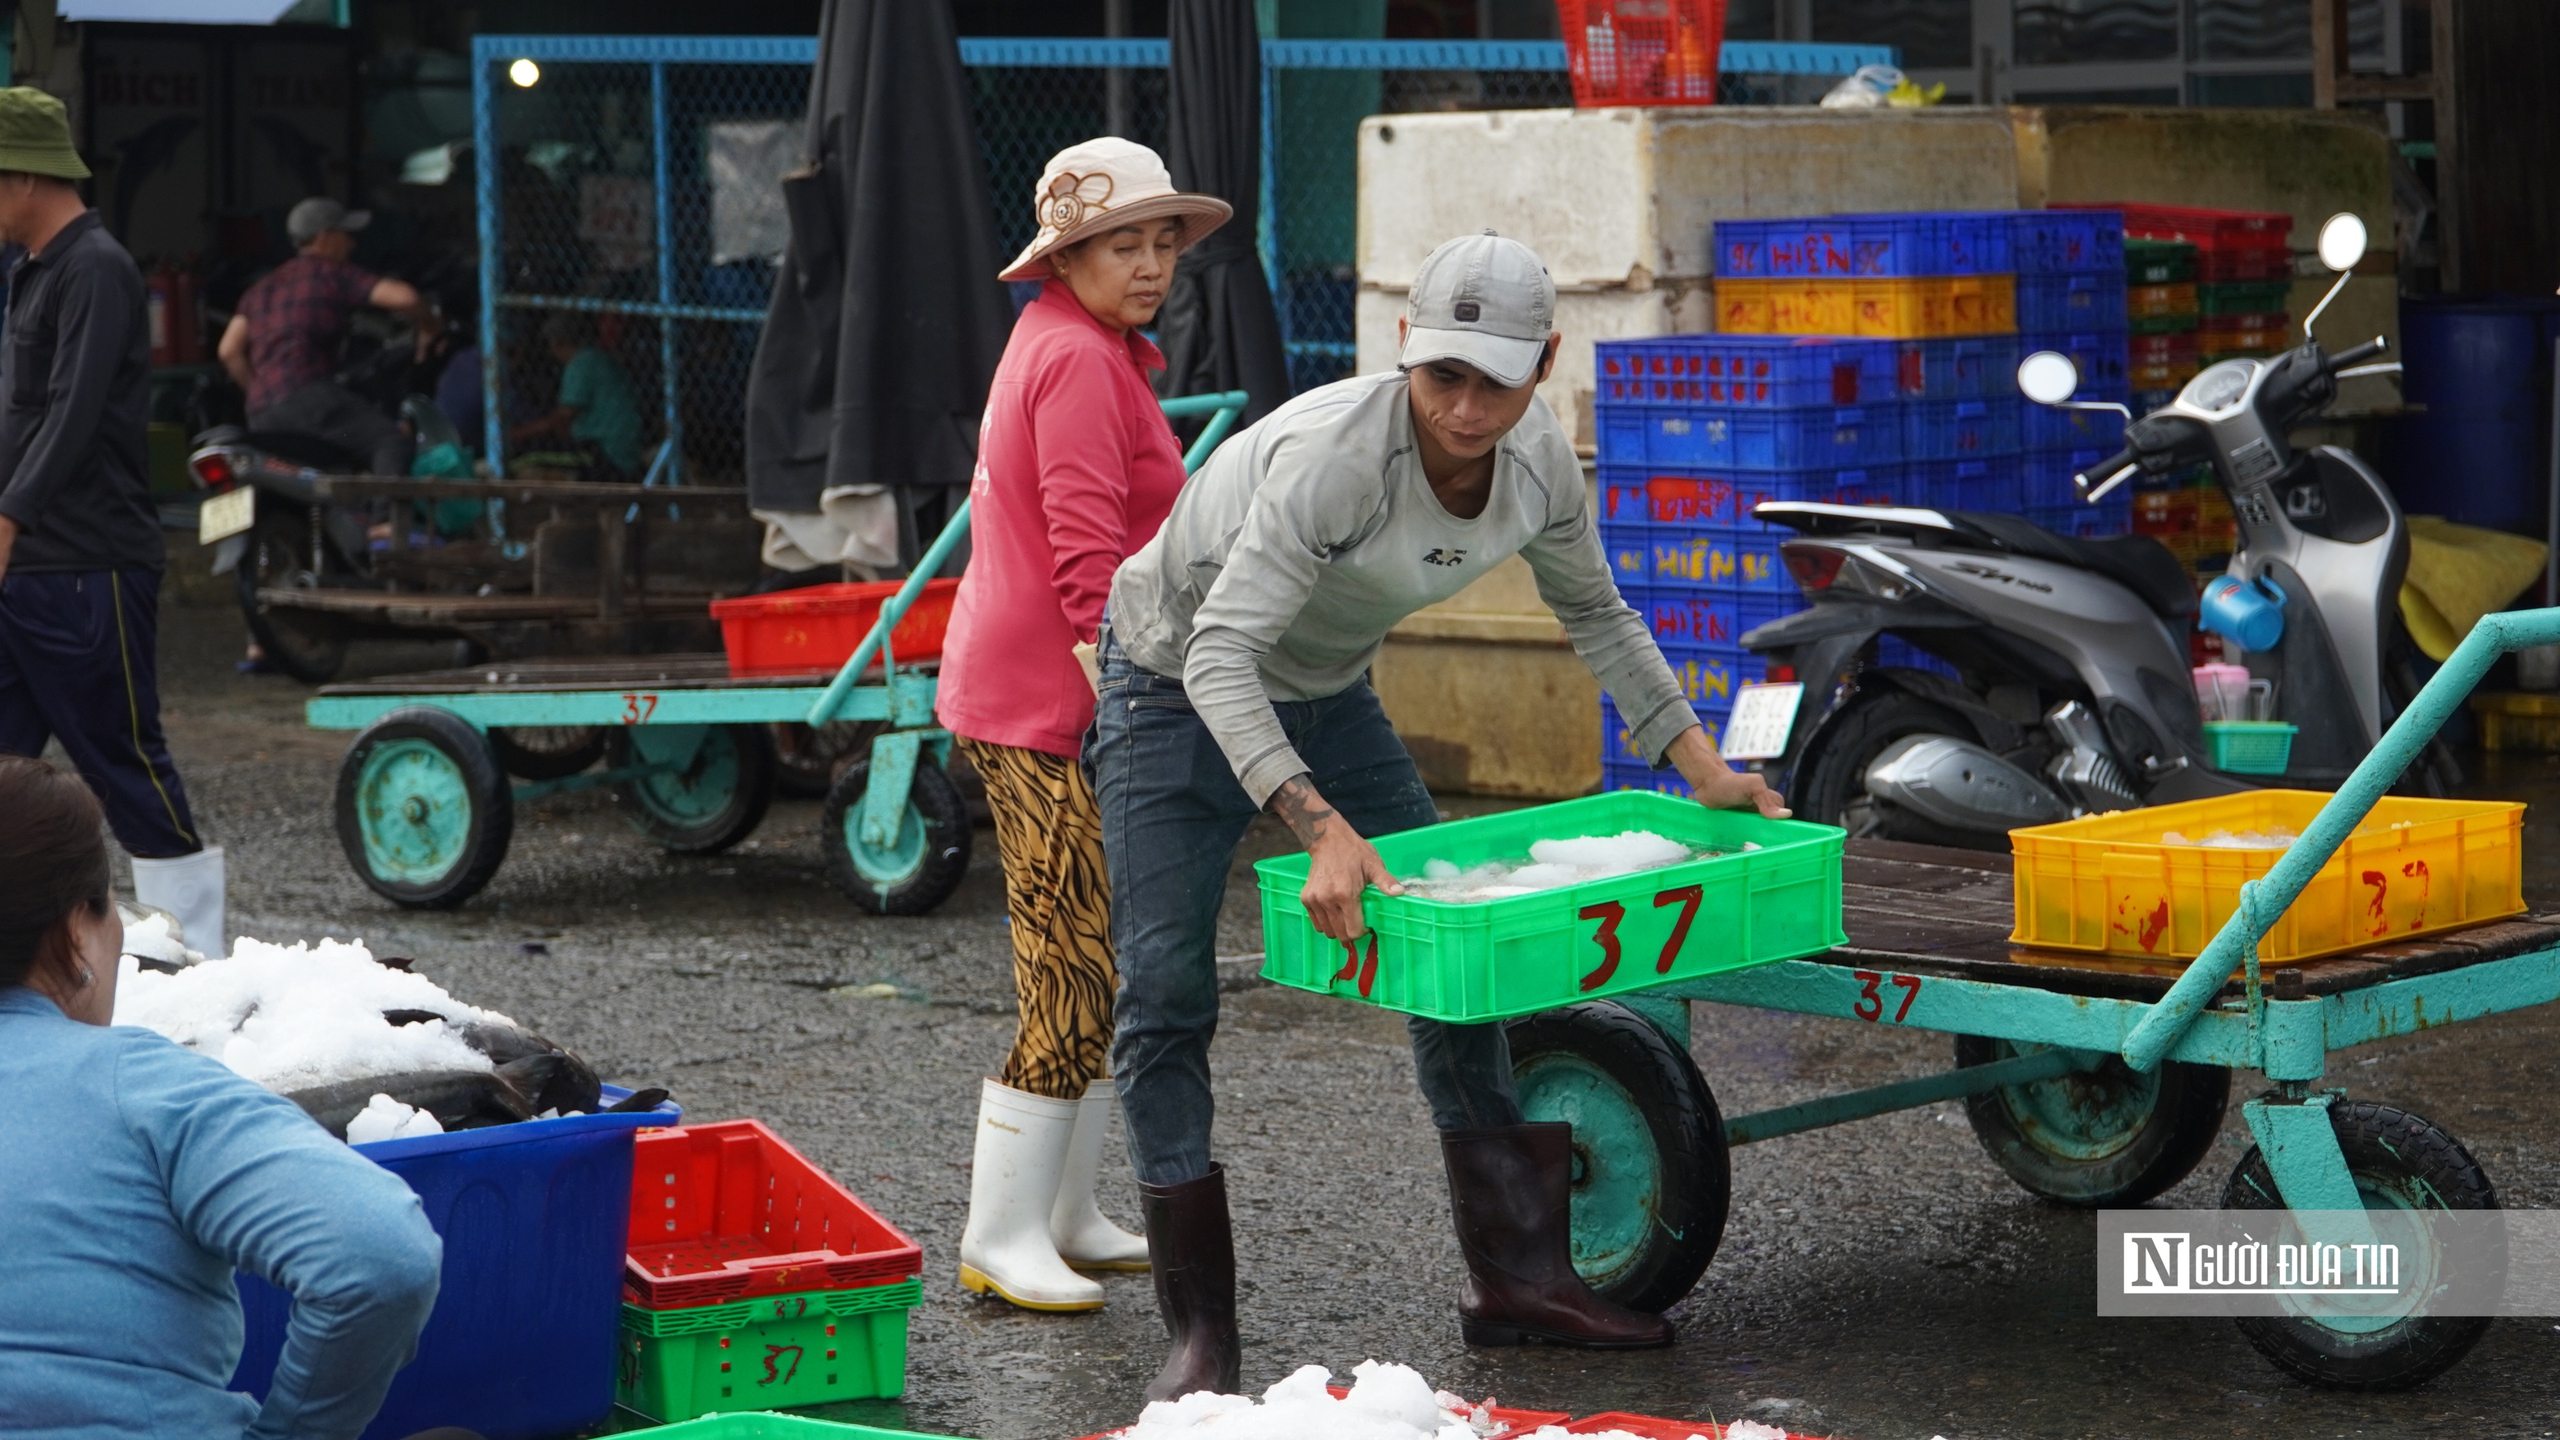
1076,469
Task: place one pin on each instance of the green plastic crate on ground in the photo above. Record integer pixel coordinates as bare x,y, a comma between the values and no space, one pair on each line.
2249,747
1501,958
762,1425
806,1348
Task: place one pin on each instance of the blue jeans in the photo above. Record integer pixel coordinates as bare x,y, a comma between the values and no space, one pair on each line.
1172,813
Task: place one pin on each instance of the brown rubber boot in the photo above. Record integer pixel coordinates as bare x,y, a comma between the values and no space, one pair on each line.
1194,1251
1509,1191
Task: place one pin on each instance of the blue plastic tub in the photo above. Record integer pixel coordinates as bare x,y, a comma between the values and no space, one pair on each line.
1972,367
535,1218
1960,429
2085,303
1766,372
2067,242
1985,483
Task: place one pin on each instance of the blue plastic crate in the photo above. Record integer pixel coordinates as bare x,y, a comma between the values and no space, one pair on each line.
1822,438
1741,248
2110,516
1755,561
1615,746
1960,429
1989,483
1755,608
2049,472
2048,429
1971,367
1622,500
1629,547
2146,401
1766,372
1916,243
2067,242
1808,245
2086,303
2100,354
1863,485
1700,613
535,1219
1636,775
1707,673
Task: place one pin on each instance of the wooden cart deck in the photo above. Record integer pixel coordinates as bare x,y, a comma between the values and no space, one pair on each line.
691,671
1928,910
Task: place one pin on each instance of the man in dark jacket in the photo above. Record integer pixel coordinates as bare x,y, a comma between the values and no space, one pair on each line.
80,547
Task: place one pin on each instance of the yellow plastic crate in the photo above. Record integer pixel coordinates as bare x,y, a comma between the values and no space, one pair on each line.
2106,884
1743,307
1932,307
1813,307
2510,721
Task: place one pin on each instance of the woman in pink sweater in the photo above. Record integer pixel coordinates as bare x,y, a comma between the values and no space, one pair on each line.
1076,469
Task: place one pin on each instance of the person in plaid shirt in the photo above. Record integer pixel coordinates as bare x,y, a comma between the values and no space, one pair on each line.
282,346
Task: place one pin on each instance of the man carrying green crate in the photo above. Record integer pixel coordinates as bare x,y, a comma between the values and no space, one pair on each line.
1234,678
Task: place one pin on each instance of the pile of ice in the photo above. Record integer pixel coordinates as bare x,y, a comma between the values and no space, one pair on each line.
1552,865
292,1017
2274,837
1386,1402
384,1118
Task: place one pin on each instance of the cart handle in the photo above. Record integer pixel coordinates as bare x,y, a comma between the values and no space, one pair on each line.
1226,407
2263,902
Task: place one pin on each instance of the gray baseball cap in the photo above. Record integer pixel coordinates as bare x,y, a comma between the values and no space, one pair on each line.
1482,301
320,213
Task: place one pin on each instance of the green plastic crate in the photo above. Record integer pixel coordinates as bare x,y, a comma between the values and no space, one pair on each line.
2249,747
1490,961
2243,297
2158,262
762,1425
805,1348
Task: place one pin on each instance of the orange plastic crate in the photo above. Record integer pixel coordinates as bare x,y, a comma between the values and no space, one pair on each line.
729,1210
815,628
1745,307
2107,884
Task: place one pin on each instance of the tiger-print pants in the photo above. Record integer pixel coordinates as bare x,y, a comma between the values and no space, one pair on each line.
1058,893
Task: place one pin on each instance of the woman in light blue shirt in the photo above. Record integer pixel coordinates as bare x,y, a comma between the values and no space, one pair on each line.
139,1175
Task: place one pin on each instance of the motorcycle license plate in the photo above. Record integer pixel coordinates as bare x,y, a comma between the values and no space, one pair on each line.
1763,715
225,515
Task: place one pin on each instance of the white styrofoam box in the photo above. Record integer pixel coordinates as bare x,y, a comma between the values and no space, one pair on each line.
1582,316
1628,196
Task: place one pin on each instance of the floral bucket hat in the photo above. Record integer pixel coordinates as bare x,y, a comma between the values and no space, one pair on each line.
1101,185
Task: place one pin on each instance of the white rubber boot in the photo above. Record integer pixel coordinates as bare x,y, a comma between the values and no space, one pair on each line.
190,888
1085,1236
1006,1251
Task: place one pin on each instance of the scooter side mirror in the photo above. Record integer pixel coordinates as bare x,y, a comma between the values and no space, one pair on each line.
2342,241
2048,377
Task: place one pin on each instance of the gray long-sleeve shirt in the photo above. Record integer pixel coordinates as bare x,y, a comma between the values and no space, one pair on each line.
75,392
1305,538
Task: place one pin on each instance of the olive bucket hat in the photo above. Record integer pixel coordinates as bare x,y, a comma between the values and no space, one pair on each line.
35,135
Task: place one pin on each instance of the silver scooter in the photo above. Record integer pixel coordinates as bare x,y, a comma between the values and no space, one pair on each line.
2074,693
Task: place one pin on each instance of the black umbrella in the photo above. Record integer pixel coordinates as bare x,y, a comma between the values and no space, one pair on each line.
887,318
1218,326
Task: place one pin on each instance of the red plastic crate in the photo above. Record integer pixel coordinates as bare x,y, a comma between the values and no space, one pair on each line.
816,627
728,1210
2202,228
1520,1421
1642,52
1652,1427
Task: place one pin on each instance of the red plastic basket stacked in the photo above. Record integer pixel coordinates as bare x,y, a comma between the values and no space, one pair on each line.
728,1210
1643,52
814,629
2243,266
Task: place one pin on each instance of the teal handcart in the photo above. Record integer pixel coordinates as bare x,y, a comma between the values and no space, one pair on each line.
425,806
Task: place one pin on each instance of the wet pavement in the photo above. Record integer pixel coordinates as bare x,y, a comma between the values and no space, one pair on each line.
1880,1280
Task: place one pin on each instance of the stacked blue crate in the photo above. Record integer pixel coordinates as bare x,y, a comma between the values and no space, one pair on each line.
2071,299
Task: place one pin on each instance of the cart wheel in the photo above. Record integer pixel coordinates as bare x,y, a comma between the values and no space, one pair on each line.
308,647
423,810
714,802
2400,1162
546,752
1651,1179
809,756
923,868
2095,1138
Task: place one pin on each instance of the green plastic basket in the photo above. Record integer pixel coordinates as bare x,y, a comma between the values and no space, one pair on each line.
805,1348
1491,961
2243,297
762,1425
2249,747
2158,262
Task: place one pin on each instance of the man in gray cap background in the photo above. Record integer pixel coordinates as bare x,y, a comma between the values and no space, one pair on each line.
282,346
1234,665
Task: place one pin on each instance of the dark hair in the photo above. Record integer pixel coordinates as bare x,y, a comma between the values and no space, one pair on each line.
53,861
568,327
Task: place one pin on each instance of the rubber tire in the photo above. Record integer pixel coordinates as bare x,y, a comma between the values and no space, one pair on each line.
561,751
489,804
741,811
808,758
1617,1058
311,649
2187,1104
2391,1150
1825,782
941,819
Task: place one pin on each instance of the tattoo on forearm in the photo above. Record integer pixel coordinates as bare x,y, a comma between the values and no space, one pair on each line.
1302,810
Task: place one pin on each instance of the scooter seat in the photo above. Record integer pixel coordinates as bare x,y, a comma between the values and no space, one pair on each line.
303,449
2137,562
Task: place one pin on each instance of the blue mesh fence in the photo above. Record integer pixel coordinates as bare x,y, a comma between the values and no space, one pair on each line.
636,186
